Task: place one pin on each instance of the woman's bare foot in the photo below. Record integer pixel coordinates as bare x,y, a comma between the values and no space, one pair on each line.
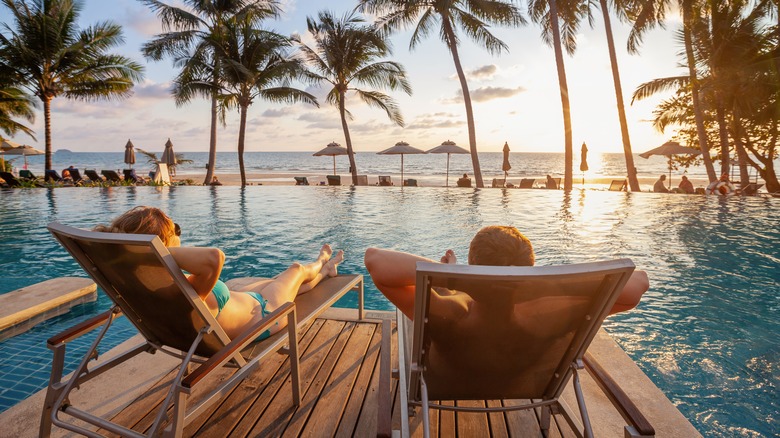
449,257
331,267
325,253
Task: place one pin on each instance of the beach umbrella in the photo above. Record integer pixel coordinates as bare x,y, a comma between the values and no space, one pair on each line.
583,161
401,148
505,166
331,150
669,149
448,147
129,153
24,150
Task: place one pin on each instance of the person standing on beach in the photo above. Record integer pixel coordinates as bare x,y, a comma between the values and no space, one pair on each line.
660,185
394,273
233,310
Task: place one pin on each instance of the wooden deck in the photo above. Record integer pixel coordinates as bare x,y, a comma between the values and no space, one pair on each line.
339,384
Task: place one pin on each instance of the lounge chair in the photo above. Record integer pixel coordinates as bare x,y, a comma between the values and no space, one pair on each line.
750,189
333,180
385,180
130,176
301,181
10,179
527,183
362,180
27,175
464,182
557,182
617,185
527,355
93,176
410,182
51,175
111,176
499,182
144,283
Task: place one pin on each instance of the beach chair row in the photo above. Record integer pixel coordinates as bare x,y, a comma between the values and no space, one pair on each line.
362,180
72,176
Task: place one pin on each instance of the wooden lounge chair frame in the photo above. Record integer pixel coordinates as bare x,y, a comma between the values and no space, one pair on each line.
618,185
111,176
189,332
527,183
385,180
301,181
592,289
93,176
499,183
333,180
10,179
410,182
362,180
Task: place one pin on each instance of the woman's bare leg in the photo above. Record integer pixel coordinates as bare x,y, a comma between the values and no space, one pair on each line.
286,285
329,269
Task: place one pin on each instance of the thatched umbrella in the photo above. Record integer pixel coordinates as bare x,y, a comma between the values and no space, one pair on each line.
669,149
401,148
583,161
129,153
331,150
505,166
448,147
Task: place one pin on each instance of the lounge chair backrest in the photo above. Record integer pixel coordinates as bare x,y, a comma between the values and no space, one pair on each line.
528,326
75,175
385,180
617,185
333,180
139,275
26,174
10,179
499,182
527,183
362,180
111,175
93,175
51,175
301,181
130,175
751,189
410,182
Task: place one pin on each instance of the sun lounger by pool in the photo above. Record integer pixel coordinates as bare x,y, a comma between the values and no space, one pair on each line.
301,181
130,176
27,175
525,357
362,180
385,180
51,175
527,183
498,182
10,179
410,182
750,189
111,176
617,185
557,182
93,176
143,281
333,180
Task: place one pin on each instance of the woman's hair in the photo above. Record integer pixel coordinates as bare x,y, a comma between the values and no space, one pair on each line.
143,220
498,245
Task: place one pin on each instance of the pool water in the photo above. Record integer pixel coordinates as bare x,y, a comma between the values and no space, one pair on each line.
705,333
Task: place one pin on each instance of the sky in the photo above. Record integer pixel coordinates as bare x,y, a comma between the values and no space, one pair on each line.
515,95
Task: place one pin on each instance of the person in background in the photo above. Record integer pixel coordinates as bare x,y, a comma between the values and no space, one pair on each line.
465,181
551,183
660,185
686,186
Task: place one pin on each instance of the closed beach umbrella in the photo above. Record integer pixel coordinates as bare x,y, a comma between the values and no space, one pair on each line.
168,157
401,148
129,153
448,147
24,150
505,166
583,161
669,149
331,150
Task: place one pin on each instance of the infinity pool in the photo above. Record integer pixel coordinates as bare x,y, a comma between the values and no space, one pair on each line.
706,332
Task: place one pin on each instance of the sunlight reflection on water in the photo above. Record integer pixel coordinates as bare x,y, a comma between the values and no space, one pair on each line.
705,333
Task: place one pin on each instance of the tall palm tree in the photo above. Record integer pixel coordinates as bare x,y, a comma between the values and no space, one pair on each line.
15,103
345,53
255,64
48,55
190,30
551,16
473,17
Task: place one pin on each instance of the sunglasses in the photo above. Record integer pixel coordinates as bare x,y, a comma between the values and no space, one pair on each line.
176,229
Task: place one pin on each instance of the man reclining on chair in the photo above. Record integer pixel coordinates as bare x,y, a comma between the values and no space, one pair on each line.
394,272
233,310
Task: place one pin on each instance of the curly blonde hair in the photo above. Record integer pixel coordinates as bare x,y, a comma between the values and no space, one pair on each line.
143,220
498,245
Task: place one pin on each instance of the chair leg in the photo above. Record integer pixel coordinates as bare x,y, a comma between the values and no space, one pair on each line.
294,357
55,387
581,402
425,408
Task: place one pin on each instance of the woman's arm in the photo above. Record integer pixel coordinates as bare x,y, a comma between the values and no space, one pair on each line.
203,264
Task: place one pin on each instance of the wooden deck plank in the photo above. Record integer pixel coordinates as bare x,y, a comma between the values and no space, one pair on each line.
521,423
331,406
497,420
309,401
472,423
277,414
363,400
143,405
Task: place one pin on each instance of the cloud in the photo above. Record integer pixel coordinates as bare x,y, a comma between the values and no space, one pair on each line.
152,90
142,20
484,72
321,120
486,94
279,112
437,120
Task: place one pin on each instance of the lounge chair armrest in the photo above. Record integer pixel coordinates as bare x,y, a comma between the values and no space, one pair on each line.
618,397
83,328
237,345
385,398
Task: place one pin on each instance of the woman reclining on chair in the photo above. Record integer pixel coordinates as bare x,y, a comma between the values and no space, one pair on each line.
394,273
233,310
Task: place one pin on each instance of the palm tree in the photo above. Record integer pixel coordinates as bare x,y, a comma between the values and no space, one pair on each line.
15,103
345,53
550,16
188,33
472,16
255,64
48,55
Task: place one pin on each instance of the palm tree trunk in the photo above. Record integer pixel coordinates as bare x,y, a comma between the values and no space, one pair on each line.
347,139
687,7
47,130
213,132
723,132
568,176
633,182
241,139
467,101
